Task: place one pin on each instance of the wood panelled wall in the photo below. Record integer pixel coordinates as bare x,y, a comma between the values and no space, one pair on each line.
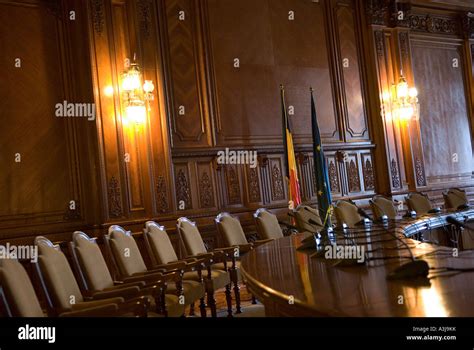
217,66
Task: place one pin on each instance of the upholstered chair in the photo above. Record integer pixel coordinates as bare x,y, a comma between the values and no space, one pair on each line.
129,263
307,219
419,202
20,300
347,213
60,286
94,274
381,206
267,224
163,255
218,272
230,231
455,198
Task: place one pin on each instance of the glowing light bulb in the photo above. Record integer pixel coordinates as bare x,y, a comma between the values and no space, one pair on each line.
136,113
402,89
413,92
148,87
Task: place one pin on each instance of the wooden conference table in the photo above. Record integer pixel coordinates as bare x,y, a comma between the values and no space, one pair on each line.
291,282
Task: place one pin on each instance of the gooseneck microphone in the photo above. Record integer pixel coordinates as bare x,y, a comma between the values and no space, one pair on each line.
413,269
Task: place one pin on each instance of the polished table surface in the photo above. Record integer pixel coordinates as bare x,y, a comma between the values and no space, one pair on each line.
291,282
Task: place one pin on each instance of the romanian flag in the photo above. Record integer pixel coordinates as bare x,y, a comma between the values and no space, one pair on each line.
290,160
321,170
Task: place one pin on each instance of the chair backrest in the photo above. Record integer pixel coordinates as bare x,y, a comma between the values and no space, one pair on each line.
90,263
383,206
56,276
20,297
159,244
267,224
455,198
124,251
191,237
230,230
303,213
418,202
347,213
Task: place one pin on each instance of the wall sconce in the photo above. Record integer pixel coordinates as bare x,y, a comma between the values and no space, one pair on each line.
404,101
136,95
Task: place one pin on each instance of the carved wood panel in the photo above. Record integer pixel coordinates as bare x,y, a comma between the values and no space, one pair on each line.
444,122
262,42
187,91
39,153
353,99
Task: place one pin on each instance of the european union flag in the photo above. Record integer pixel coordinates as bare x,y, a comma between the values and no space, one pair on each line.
321,170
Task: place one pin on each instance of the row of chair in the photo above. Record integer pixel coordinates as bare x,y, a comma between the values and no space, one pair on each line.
417,203
166,289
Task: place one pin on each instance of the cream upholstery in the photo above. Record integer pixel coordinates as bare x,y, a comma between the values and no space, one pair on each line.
303,214
383,206
418,202
125,251
455,198
58,276
93,264
219,278
231,230
160,244
191,237
347,212
18,290
267,225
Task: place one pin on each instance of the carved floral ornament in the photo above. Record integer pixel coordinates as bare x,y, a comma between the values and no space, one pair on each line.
393,13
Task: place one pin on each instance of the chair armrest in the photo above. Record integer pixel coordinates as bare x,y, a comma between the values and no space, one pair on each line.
122,284
98,311
262,241
138,306
96,303
125,293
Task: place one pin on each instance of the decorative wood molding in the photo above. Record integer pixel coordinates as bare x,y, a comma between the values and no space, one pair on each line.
404,45
377,11
278,191
163,205
419,172
354,178
144,11
183,192
380,42
468,25
394,174
206,197
98,15
368,172
434,24
233,185
254,186
333,178
114,198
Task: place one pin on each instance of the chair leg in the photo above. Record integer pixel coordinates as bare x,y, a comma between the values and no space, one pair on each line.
228,298
212,303
235,281
202,307
191,309
254,300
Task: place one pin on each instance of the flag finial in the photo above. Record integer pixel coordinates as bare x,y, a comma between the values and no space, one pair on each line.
282,87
